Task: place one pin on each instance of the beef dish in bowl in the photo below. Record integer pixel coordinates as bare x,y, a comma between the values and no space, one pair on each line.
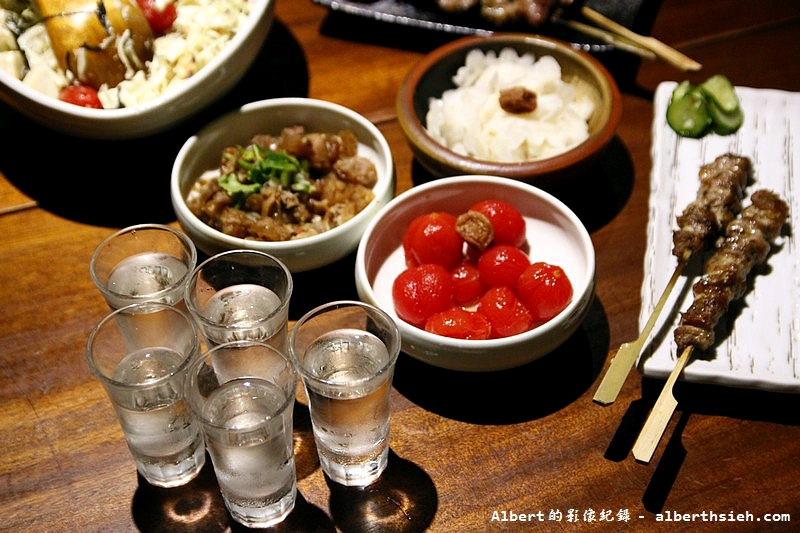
553,232
203,152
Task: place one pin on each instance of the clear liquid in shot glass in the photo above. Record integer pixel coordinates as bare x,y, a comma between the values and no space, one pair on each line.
253,456
239,312
164,438
351,406
147,274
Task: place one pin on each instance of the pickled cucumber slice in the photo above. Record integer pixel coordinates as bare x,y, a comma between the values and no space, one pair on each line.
681,90
720,90
688,112
725,123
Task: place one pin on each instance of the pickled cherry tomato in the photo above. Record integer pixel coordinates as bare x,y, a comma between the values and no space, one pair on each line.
501,265
545,290
505,312
507,222
432,238
81,95
467,285
420,291
459,323
160,20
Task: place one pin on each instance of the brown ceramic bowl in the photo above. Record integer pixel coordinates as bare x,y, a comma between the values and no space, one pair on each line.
434,74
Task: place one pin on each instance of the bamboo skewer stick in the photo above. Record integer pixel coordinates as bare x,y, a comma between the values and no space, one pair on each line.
610,38
627,353
663,51
662,411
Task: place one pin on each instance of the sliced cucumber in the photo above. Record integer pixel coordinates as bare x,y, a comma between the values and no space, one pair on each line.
680,91
725,123
720,90
687,113
713,105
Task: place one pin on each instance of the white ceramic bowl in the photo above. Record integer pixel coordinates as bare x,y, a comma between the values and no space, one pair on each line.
202,89
202,152
554,233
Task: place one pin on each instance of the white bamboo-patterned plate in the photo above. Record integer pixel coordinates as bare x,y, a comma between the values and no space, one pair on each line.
758,340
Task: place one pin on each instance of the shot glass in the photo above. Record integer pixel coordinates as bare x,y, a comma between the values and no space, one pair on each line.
241,295
146,262
346,353
140,353
243,393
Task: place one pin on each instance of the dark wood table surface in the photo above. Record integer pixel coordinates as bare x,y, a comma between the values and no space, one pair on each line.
469,452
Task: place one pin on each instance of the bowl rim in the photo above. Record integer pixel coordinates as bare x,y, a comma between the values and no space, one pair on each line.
576,306
231,48
421,140
182,209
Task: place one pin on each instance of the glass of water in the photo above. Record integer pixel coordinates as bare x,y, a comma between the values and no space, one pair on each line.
146,262
140,354
241,295
243,392
346,353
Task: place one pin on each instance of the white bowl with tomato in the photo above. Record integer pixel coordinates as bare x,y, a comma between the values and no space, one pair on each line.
481,273
66,72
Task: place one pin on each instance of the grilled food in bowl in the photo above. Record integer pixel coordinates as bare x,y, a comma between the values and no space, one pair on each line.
203,153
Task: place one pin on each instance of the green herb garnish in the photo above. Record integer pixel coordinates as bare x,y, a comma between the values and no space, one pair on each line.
264,166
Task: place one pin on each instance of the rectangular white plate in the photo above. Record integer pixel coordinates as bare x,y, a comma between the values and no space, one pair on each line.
758,340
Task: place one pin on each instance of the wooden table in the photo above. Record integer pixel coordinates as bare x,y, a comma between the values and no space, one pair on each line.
527,444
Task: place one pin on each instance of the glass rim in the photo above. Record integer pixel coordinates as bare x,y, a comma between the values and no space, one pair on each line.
199,359
182,237
126,310
394,349
188,292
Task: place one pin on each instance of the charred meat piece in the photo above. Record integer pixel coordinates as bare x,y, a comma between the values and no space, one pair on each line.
456,6
504,12
718,201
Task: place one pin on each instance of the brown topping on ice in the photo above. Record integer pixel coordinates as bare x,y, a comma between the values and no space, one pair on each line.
518,100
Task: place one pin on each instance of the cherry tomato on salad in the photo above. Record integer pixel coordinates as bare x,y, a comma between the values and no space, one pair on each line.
501,265
432,238
505,312
81,95
420,291
467,285
507,221
160,20
458,323
545,290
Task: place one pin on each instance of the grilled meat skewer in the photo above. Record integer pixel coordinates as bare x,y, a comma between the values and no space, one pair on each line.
718,201
747,243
